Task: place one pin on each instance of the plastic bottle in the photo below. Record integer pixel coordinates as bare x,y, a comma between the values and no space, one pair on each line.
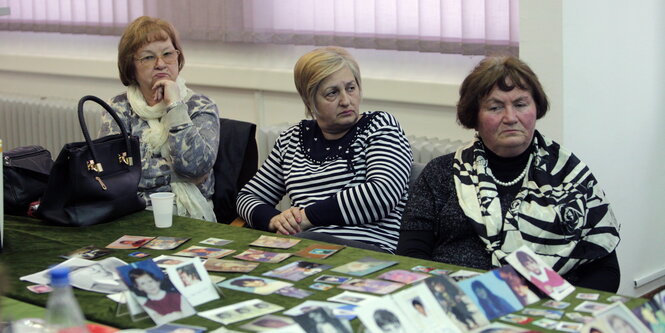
63,314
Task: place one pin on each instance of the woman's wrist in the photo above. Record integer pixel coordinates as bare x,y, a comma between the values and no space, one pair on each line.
173,105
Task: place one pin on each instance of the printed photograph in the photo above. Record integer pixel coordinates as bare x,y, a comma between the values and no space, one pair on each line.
164,261
492,295
457,305
321,286
321,320
297,271
462,275
262,256
420,306
96,276
352,297
175,328
254,284
501,328
527,263
319,251
215,241
268,323
193,281
383,315
240,311
293,292
620,319
204,252
363,266
165,243
275,242
231,266
517,284
591,307
403,276
332,279
651,315
129,242
373,286
516,319
310,305
155,292
87,252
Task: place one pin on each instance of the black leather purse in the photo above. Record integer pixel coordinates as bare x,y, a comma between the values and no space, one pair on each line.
25,174
95,181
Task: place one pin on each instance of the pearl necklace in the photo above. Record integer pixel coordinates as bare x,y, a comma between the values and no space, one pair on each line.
514,181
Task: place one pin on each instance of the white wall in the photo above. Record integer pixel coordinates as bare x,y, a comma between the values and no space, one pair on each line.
608,60
604,79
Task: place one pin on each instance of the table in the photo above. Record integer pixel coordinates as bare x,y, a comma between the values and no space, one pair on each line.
32,245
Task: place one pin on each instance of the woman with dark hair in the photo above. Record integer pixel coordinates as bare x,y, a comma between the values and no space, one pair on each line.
387,321
161,296
511,186
492,305
178,128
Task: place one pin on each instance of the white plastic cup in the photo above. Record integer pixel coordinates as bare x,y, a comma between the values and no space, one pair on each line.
162,208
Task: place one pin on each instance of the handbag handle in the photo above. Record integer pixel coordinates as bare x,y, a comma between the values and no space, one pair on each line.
125,157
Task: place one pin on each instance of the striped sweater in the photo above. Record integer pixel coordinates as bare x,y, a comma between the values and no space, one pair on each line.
353,188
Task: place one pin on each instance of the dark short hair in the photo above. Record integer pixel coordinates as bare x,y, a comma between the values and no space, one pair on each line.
497,72
524,257
142,31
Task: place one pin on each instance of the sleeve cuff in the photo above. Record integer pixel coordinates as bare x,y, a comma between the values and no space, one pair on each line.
176,115
262,215
326,212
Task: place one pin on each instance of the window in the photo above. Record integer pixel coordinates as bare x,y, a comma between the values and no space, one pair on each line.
472,27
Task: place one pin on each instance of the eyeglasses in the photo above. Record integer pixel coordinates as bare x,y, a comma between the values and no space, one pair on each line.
168,57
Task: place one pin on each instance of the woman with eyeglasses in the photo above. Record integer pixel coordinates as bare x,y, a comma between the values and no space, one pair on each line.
178,128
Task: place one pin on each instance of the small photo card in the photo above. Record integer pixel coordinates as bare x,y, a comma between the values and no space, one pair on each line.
193,282
618,298
139,254
578,317
268,323
262,256
204,252
536,271
588,296
240,311
403,276
175,328
556,304
546,323
215,241
297,270
164,261
293,292
591,307
332,279
363,266
230,266
129,242
275,242
440,272
462,275
254,284
40,288
516,319
547,313
371,286
165,243
566,326
316,319
383,314
351,297
307,306
620,319
319,251
321,286
87,252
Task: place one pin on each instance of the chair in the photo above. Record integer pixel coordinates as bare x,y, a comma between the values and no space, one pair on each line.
236,164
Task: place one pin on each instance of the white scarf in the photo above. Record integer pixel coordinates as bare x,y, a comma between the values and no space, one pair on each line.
189,200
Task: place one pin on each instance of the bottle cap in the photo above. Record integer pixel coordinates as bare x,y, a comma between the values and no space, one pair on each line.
59,276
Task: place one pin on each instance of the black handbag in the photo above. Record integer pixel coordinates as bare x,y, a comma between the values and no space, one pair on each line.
95,181
25,175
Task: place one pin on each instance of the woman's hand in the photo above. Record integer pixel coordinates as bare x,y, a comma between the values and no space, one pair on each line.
166,90
290,221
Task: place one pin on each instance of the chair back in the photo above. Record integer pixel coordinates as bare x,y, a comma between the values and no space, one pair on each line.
236,164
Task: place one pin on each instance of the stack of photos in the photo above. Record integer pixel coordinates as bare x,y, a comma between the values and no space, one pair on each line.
240,311
231,266
155,292
96,276
275,242
527,263
203,252
457,305
254,284
193,282
491,294
129,242
363,266
297,271
165,243
262,256
319,251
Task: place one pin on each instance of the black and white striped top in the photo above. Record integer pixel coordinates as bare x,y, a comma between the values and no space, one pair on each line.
353,188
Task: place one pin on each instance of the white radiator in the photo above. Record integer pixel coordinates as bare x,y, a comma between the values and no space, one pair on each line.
424,148
48,122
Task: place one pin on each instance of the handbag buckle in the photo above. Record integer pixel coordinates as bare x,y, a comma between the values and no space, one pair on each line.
95,166
123,158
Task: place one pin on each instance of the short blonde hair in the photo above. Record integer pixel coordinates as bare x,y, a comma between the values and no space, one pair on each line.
140,32
317,65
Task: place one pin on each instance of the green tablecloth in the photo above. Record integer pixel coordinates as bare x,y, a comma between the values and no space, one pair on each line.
31,246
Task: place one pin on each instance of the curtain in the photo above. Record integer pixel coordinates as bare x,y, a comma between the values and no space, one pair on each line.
470,27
